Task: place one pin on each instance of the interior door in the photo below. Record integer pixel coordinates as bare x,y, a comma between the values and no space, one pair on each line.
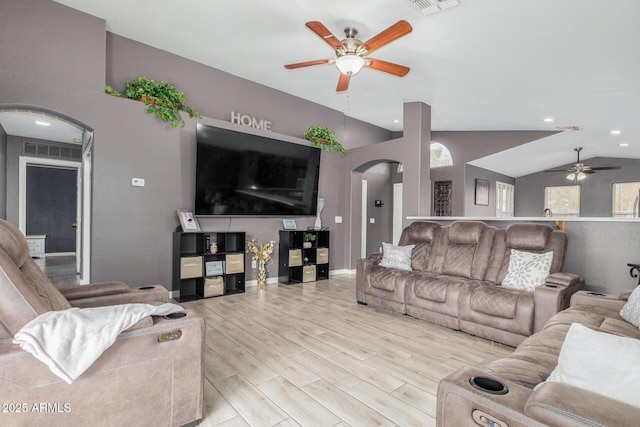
52,205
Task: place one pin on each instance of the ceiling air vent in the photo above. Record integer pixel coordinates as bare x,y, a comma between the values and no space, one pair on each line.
568,128
428,7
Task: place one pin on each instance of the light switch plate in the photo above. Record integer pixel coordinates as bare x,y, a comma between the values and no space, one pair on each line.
372,220
137,182
338,220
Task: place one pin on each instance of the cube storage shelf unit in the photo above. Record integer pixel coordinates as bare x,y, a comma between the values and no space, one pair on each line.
298,263
197,273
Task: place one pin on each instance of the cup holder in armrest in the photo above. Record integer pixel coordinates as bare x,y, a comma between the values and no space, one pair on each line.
488,385
147,288
552,286
597,294
172,316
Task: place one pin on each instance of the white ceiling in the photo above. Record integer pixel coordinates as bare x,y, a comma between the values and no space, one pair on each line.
33,124
484,65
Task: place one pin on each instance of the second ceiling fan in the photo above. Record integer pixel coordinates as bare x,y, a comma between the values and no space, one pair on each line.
351,53
579,171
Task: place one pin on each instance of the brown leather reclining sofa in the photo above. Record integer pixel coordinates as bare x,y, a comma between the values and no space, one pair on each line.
503,395
142,379
456,276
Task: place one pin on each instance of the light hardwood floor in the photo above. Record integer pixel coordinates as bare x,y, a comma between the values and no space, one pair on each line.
309,355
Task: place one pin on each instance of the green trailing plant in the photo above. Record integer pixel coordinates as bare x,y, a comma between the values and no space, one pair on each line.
309,237
325,139
161,99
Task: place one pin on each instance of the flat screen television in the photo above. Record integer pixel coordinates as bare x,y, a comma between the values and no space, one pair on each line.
242,174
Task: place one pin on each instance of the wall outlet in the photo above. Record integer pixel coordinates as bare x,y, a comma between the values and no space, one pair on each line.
338,220
253,263
137,182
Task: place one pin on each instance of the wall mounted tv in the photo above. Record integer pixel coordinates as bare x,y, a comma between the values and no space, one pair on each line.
242,174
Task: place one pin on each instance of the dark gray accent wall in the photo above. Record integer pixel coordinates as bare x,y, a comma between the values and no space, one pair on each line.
595,190
3,173
471,174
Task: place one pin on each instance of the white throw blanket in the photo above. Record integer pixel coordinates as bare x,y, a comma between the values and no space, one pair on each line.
69,341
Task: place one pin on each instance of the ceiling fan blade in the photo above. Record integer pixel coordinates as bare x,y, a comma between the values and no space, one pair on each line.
557,170
387,67
308,63
606,168
395,31
343,82
324,34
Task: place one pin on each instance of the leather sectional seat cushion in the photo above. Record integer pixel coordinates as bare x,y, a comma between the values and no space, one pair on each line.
456,278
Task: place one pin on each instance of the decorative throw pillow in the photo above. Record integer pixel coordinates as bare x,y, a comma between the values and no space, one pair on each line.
527,270
602,363
396,256
631,310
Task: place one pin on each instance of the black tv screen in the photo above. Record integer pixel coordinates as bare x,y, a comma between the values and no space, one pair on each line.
243,174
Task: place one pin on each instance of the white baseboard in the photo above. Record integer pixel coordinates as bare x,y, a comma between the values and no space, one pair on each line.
59,254
270,281
343,271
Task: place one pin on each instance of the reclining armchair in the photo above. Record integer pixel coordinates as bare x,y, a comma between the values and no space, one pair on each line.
152,375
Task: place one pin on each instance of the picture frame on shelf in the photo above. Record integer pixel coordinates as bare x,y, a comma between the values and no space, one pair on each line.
482,192
188,221
289,224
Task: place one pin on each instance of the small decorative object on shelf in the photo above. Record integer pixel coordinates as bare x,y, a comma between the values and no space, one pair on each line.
318,223
325,139
261,254
188,221
161,98
309,238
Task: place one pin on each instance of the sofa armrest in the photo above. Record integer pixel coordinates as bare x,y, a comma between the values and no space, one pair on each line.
94,290
362,270
598,299
94,298
554,296
169,374
558,404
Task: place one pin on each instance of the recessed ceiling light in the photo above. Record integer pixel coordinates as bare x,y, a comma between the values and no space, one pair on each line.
396,121
548,119
624,144
615,132
41,123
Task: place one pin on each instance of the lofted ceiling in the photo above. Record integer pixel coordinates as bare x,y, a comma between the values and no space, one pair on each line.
482,65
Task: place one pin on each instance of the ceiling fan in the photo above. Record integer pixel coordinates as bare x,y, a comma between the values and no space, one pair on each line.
351,53
579,171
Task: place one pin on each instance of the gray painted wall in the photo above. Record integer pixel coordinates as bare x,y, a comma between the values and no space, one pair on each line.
3,173
466,146
379,186
471,174
595,192
132,226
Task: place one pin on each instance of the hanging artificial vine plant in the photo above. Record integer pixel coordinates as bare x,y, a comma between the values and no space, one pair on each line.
161,98
325,139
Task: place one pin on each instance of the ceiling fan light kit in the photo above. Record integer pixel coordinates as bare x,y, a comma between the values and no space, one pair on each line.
579,171
351,53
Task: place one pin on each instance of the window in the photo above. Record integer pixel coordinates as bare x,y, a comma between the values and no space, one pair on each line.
440,156
563,201
504,199
626,196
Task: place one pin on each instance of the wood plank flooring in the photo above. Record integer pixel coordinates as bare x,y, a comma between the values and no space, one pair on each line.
309,355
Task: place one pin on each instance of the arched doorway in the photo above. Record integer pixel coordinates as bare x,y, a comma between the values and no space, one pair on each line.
47,191
376,208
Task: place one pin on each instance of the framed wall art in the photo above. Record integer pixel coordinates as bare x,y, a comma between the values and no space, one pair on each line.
188,221
482,192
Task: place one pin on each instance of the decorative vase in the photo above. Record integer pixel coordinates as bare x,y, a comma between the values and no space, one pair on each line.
262,275
318,224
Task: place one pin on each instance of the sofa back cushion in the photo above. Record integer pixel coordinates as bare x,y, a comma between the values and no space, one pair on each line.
25,292
464,249
424,236
525,237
